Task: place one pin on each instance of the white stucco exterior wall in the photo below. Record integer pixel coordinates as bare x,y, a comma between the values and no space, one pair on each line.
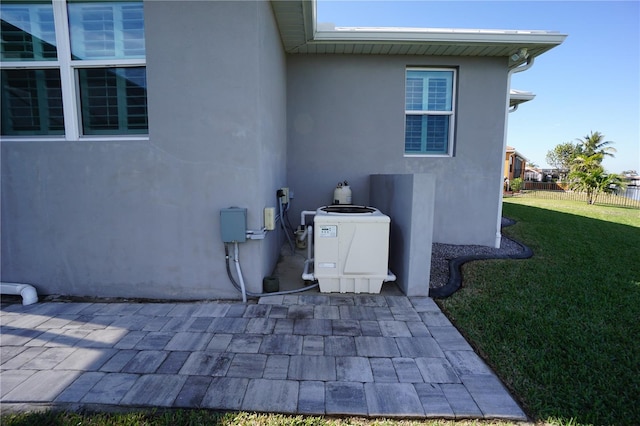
141,218
346,121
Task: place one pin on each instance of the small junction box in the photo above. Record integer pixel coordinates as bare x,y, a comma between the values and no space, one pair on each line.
233,225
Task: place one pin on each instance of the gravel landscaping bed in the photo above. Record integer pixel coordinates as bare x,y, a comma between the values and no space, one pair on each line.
441,254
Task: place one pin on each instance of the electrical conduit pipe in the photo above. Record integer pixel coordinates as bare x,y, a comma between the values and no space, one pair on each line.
241,287
28,292
239,272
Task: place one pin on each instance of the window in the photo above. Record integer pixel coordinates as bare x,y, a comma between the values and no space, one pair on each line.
74,68
429,111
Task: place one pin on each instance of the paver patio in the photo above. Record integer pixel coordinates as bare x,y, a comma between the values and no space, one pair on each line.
364,355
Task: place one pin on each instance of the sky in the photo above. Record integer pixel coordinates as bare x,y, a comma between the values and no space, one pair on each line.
589,83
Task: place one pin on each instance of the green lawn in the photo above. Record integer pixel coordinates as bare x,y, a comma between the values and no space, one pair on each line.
203,417
562,329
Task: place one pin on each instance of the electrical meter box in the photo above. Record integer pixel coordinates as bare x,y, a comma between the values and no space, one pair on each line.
233,225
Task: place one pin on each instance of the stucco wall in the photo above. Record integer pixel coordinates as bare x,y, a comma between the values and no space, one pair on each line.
346,121
408,199
141,218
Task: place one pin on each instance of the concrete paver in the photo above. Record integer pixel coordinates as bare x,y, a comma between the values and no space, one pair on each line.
225,392
372,346
247,365
12,378
311,397
207,364
436,370
407,370
383,370
345,398
353,369
145,362
393,400
280,396
434,401
41,386
193,391
339,346
110,389
79,388
86,359
312,367
460,400
156,390
364,355
276,367
117,362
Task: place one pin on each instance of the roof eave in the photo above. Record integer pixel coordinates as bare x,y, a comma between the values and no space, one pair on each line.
517,97
302,35
437,35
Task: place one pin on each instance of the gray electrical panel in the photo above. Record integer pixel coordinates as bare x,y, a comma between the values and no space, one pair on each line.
233,225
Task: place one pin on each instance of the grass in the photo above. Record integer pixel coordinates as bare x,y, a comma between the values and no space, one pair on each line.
601,199
203,417
561,329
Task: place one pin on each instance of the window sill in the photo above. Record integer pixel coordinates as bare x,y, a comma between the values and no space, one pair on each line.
428,155
114,138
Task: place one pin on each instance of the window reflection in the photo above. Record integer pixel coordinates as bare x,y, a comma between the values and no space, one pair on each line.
27,32
106,30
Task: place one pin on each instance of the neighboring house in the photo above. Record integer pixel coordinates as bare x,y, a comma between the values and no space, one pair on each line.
121,147
533,174
514,164
549,175
632,179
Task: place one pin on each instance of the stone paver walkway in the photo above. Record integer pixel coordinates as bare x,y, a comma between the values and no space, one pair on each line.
364,355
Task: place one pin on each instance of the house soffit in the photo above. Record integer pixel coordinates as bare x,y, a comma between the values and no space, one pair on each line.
302,35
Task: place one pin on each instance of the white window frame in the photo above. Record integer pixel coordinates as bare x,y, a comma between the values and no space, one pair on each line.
451,114
69,83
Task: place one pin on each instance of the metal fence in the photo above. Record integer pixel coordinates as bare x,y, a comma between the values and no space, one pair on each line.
630,197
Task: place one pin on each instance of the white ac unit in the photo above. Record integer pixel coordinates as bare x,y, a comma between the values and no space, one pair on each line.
351,249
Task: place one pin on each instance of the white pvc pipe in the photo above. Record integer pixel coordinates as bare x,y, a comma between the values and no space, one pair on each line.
304,213
239,271
306,275
309,276
309,241
512,71
28,292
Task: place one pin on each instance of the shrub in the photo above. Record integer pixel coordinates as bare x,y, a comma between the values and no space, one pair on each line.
516,184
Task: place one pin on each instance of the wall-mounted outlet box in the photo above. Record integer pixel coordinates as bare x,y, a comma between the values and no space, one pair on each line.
233,225
284,198
270,218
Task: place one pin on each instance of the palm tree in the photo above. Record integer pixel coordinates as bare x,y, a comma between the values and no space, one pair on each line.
594,143
589,176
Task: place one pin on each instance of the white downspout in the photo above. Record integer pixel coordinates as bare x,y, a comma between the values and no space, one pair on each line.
512,71
28,292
